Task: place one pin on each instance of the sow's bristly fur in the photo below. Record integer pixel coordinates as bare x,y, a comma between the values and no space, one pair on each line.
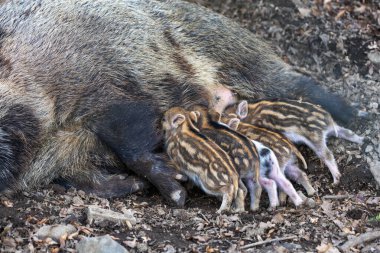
68,62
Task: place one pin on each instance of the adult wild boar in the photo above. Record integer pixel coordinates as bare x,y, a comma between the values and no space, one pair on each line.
84,84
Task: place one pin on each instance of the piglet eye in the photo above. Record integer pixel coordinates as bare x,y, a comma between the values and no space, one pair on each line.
217,98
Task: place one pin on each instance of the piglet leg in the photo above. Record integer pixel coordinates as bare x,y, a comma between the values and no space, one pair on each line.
240,198
324,153
285,186
270,186
295,174
349,135
254,193
227,200
282,197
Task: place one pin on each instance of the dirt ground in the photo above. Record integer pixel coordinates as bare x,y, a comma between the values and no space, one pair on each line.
335,41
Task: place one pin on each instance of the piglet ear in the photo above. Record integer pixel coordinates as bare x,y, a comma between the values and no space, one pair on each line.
234,123
242,109
214,115
177,120
194,115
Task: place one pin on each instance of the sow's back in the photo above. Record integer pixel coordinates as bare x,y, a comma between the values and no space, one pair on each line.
83,84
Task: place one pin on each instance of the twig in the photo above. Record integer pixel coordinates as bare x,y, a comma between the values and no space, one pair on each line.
268,241
369,236
337,197
205,218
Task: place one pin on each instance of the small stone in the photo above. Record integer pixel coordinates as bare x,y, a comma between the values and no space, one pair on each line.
374,105
142,247
100,244
169,249
281,249
374,57
292,247
368,149
161,211
77,201
176,212
81,193
55,231
9,242
310,203
97,214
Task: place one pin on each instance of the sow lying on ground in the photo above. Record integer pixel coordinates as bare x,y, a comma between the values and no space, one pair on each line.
84,85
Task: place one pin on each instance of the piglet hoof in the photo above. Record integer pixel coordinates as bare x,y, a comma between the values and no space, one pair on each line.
222,210
360,140
310,203
238,210
271,208
282,198
254,208
298,202
311,192
336,178
283,202
303,199
336,181
307,202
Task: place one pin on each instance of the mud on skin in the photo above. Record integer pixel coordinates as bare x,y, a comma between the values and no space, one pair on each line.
110,54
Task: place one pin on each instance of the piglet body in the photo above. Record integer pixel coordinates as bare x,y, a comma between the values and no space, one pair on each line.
204,162
301,122
282,155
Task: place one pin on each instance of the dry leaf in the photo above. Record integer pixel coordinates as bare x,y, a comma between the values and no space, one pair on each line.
7,203
209,249
229,234
360,9
313,220
324,248
304,12
278,219
132,244
373,201
62,240
200,238
326,207
43,221
340,14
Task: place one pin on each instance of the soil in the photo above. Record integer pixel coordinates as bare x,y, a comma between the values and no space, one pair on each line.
331,41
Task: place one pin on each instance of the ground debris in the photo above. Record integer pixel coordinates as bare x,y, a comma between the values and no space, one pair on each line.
97,214
361,239
101,244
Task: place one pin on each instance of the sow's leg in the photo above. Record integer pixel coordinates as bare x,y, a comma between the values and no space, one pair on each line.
131,130
109,186
19,137
75,157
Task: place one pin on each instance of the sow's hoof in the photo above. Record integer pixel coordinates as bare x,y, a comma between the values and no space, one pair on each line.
166,180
